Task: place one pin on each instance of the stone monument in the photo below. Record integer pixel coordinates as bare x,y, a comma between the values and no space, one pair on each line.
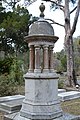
41,82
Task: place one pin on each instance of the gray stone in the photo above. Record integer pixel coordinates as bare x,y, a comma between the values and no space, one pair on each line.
41,27
11,106
41,96
10,98
69,95
61,90
16,116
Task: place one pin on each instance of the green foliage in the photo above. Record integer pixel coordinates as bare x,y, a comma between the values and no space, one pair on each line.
16,26
64,63
60,84
13,67
7,85
16,71
5,65
61,57
77,54
11,75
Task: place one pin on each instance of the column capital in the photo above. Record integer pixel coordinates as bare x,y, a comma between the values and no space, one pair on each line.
45,46
37,46
51,47
30,46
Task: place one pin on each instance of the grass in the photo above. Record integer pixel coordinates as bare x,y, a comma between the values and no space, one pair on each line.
72,106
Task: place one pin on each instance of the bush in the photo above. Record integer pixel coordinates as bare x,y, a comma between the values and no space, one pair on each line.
11,75
5,65
16,72
13,67
7,85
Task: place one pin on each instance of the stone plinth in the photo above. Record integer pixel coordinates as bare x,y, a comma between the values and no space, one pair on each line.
41,100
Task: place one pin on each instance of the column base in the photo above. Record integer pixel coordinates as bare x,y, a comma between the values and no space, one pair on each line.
41,111
17,116
30,71
46,70
37,70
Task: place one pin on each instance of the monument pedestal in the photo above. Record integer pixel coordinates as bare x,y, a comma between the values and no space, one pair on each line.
41,97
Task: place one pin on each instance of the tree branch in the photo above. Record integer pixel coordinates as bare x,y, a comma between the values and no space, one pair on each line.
75,18
73,10
61,6
53,22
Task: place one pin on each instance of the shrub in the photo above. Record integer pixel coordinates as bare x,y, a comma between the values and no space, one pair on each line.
5,65
16,71
11,75
7,85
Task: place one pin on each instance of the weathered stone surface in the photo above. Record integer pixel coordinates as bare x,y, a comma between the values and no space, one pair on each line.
10,98
41,97
41,27
61,90
69,95
66,116
11,106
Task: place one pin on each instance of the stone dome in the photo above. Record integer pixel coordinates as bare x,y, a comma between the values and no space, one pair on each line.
41,27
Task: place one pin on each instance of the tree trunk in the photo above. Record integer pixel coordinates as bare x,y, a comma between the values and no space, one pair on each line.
69,47
70,62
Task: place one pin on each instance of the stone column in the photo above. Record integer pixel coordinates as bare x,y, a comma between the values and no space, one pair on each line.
37,59
45,58
51,58
31,58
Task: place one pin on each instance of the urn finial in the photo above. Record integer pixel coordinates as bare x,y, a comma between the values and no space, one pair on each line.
42,8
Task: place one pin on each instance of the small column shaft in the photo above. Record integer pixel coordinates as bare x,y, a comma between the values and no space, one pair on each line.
46,58
51,59
31,58
37,59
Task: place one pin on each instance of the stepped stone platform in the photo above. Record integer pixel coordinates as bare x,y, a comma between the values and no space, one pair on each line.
11,104
16,116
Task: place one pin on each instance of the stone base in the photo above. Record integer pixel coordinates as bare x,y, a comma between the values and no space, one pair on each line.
47,110
16,116
41,97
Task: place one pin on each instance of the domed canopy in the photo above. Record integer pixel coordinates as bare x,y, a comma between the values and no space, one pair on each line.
41,27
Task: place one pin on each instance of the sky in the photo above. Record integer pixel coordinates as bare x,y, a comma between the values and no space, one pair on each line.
57,16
